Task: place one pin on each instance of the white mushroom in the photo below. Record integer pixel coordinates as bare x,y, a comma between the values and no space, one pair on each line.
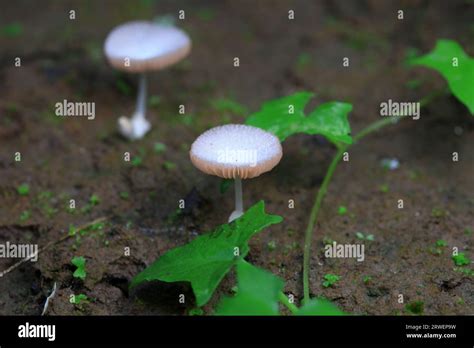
236,152
138,47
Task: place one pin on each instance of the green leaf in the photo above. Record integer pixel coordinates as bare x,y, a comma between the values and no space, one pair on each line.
360,235
319,306
196,311
257,293
461,259
330,280
415,307
159,147
168,165
94,200
342,210
23,189
12,30
25,215
78,299
285,116
207,259
80,263
459,77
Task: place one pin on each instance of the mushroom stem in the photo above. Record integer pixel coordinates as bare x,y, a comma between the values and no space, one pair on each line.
141,98
239,206
137,126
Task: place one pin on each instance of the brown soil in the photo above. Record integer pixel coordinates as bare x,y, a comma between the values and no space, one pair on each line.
64,158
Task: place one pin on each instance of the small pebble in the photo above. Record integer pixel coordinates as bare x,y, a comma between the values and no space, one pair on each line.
458,130
390,163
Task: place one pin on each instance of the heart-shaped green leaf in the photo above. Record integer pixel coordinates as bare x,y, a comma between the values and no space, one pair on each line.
285,116
450,60
207,259
319,306
257,293
80,263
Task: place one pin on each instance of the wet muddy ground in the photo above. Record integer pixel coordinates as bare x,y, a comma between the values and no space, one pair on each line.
76,158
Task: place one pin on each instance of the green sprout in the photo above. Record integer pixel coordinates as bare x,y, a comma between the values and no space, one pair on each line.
79,299
367,279
45,195
80,263
195,312
154,101
327,240
416,307
159,147
437,249
23,189
342,210
271,245
94,200
95,227
25,215
330,280
12,30
169,165
362,236
206,14
136,161
438,213
72,230
413,174
464,270
461,259
303,60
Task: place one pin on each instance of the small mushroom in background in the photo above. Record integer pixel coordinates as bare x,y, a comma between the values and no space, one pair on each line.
138,47
236,152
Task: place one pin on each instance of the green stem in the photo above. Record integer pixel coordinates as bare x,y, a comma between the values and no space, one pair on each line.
373,127
392,120
284,299
313,217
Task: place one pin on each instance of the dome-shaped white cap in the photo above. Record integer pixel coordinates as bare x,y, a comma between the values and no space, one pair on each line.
145,46
236,151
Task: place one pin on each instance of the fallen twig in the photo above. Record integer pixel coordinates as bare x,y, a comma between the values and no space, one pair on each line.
45,308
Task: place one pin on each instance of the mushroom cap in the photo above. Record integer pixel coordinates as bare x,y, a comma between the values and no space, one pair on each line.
147,45
236,151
